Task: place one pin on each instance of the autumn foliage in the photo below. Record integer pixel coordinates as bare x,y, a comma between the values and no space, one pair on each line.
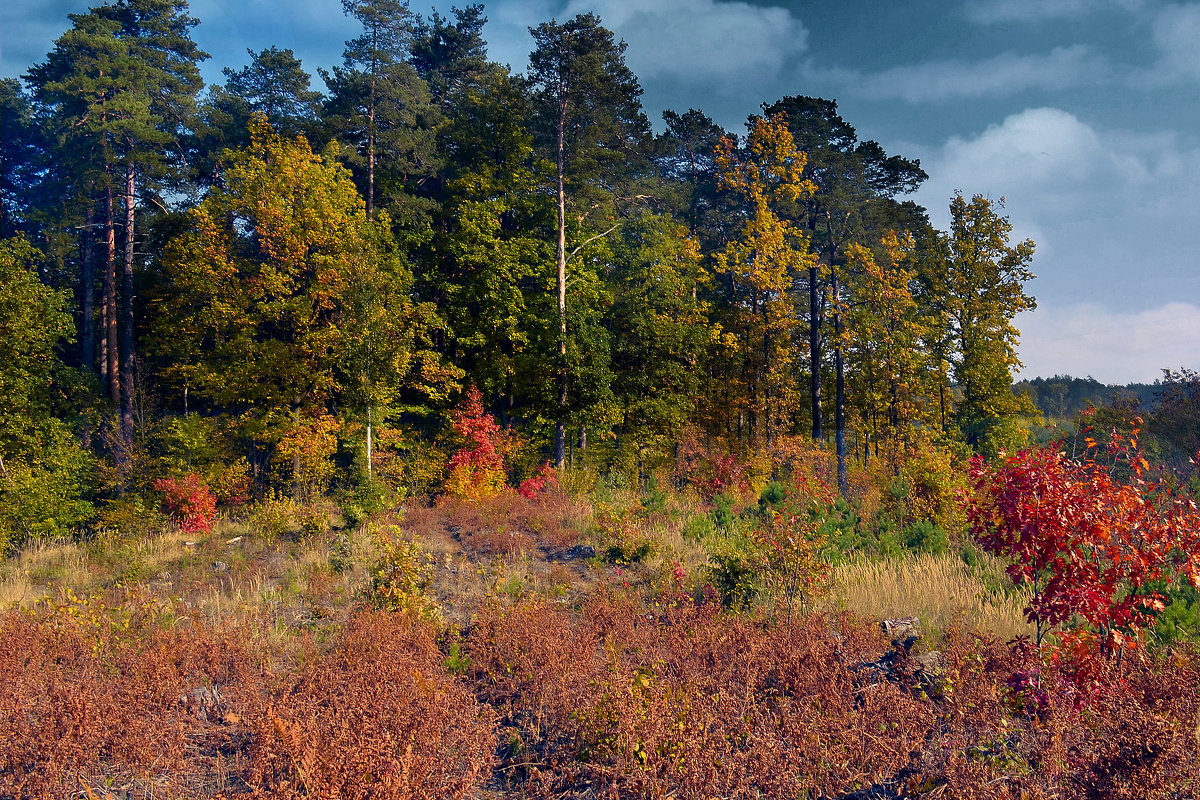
1089,543
189,502
476,471
614,698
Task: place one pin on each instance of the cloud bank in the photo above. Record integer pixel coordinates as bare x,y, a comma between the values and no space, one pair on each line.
991,12
1007,73
1112,347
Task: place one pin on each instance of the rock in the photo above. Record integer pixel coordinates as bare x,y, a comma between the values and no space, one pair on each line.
204,702
921,672
905,631
581,551
220,566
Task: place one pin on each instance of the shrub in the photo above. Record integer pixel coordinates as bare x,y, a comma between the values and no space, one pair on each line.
545,480
377,716
95,694
925,537
723,504
401,574
1090,546
42,497
189,503
275,515
686,702
476,471
699,527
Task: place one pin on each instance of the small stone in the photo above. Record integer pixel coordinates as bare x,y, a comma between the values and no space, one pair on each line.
581,551
220,566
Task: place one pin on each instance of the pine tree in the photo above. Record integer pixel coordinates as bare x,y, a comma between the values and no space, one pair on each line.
117,89
381,107
591,126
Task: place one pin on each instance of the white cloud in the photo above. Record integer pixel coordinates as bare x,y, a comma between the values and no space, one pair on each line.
1057,168
702,41
1111,346
990,12
704,44
1113,214
1176,31
1007,73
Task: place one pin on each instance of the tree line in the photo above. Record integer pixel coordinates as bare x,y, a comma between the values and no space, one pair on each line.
258,281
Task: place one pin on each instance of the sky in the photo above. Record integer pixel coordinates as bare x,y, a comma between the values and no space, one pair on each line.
1084,115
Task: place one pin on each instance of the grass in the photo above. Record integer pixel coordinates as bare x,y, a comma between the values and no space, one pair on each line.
242,572
939,589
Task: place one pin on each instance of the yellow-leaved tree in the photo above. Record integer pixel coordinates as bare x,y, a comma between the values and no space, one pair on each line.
761,267
284,300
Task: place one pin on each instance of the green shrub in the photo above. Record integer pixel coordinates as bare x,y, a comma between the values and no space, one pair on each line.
275,515
42,497
734,569
925,537
654,499
1179,622
773,495
699,527
361,500
723,509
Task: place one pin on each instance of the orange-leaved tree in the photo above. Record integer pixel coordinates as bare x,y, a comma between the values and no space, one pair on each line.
283,297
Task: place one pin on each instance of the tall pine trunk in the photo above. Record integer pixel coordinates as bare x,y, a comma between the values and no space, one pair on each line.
814,350
560,428
839,412
111,369
127,352
87,293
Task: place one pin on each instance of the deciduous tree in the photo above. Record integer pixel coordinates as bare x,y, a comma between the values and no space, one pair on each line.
259,312
762,265
977,280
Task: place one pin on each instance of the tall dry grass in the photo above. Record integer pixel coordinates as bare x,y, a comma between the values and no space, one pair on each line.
939,589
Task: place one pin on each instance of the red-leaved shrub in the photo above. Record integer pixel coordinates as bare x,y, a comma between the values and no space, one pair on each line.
476,471
1090,545
376,717
546,479
188,502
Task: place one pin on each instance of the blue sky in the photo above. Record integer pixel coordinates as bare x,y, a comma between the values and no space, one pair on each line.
1083,114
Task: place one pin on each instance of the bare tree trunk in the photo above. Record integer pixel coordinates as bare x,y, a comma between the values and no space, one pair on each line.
840,391
127,353
297,464
814,350
560,429
87,294
370,460
767,427
371,152
112,371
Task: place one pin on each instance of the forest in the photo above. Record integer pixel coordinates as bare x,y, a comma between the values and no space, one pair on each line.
454,431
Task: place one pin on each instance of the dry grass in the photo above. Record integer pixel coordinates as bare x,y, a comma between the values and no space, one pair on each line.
31,574
940,590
